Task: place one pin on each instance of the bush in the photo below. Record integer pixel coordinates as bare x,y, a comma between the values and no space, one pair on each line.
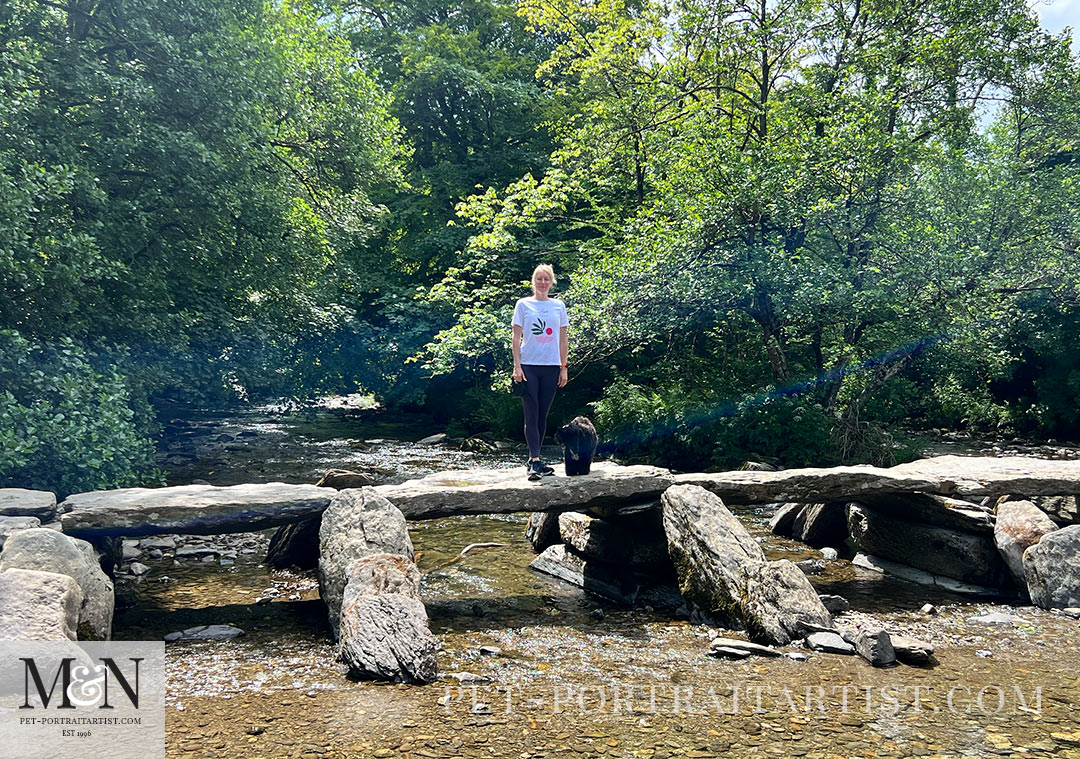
671,427
66,426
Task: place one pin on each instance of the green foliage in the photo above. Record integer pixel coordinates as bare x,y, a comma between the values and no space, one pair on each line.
805,197
689,432
182,178
67,425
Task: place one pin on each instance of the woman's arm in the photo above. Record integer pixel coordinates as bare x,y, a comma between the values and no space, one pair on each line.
564,351
519,376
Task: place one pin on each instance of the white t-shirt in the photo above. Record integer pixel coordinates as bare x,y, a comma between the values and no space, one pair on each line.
540,321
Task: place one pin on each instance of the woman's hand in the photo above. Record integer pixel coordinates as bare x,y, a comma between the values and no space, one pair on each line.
519,376
562,376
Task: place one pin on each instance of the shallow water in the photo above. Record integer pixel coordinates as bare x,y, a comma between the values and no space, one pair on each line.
569,674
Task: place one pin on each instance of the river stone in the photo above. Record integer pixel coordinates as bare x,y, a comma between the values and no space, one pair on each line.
205,632
1019,525
383,573
911,651
435,439
1062,508
834,604
783,521
51,551
811,566
340,479
933,509
876,647
821,524
829,554
636,541
9,525
500,491
295,545
17,502
963,556
922,577
779,604
542,530
742,645
191,509
591,575
829,643
37,605
1052,569
386,637
709,548
358,522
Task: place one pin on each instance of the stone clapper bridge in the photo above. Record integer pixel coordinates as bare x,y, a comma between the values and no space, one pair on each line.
382,588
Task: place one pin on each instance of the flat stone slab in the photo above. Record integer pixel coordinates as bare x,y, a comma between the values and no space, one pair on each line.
191,509
986,476
501,491
207,510
946,475
922,577
842,483
17,502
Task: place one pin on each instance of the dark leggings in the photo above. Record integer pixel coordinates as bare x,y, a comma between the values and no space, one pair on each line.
540,384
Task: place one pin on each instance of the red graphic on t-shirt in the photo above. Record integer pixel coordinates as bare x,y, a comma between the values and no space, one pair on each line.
543,333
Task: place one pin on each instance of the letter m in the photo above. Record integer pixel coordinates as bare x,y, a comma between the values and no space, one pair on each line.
31,671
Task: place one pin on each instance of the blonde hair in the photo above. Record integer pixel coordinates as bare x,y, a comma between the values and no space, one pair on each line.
546,268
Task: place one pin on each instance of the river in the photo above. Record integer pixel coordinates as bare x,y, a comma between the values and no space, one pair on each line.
550,671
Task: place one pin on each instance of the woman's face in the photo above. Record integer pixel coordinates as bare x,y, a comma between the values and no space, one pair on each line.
541,282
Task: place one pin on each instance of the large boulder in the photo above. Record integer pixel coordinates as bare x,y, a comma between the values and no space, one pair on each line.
1052,569
636,541
821,524
384,630
295,545
17,502
542,530
723,574
387,637
51,551
964,556
1019,525
595,576
709,548
382,574
783,521
779,604
357,523
1061,508
933,509
8,525
38,605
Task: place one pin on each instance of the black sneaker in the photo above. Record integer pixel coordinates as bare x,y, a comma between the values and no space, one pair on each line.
536,470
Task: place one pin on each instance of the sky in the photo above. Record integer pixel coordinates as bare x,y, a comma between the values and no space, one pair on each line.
1055,15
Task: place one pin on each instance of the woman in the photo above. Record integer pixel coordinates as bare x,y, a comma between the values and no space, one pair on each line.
540,349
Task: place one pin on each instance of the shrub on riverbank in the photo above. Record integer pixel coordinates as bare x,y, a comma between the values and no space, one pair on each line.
68,424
